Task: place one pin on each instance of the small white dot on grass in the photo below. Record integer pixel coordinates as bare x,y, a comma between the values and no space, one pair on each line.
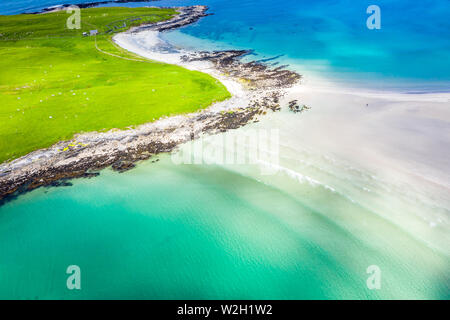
40,101
87,98
78,75
50,117
73,93
18,98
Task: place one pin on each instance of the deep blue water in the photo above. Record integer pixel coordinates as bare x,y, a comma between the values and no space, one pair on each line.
328,37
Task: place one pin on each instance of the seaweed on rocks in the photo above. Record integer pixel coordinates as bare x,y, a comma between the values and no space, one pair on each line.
88,153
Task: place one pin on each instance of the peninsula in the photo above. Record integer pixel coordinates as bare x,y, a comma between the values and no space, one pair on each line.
92,104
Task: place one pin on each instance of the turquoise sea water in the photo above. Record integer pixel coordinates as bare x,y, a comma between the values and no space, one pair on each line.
329,37
196,231
165,231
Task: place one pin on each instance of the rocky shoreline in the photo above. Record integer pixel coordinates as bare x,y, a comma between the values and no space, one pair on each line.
87,153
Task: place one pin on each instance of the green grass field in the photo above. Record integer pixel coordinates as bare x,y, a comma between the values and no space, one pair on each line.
54,82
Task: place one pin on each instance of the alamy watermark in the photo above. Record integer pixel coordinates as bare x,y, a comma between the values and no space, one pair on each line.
74,21
374,20
259,147
74,280
374,280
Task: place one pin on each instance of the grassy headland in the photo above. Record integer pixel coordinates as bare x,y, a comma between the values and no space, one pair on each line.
54,82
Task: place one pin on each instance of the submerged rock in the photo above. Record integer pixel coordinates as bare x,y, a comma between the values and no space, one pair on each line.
294,107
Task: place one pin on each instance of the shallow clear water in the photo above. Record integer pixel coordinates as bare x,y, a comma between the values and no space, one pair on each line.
165,231
355,186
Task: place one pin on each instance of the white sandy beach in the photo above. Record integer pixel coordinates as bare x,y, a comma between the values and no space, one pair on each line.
150,45
384,150
359,180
